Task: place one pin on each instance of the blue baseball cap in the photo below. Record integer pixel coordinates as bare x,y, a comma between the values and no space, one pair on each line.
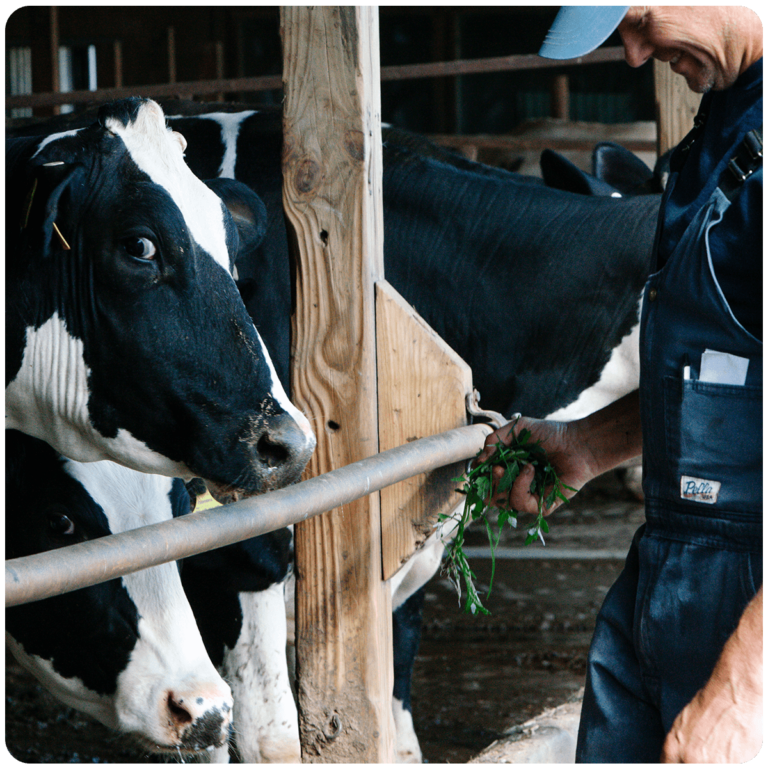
579,29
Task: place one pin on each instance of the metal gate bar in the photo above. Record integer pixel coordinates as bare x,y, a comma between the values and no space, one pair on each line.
81,565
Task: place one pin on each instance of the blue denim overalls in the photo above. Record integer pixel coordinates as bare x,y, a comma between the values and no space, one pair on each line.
697,562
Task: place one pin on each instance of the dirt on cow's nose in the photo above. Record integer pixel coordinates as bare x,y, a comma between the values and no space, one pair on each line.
199,719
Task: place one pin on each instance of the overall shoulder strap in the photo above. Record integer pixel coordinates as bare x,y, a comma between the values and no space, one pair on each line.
748,158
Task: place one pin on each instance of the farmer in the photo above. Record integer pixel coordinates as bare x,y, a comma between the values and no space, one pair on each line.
675,665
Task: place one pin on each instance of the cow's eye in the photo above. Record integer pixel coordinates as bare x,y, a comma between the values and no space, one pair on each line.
60,525
140,248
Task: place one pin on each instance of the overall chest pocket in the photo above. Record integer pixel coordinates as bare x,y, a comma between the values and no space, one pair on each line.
714,443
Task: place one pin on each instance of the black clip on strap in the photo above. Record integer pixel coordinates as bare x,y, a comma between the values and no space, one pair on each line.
748,158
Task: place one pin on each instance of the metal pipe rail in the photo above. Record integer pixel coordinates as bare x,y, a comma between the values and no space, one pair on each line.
36,577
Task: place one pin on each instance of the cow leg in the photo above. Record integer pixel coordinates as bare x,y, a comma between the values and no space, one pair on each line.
406,636
407,603
266,721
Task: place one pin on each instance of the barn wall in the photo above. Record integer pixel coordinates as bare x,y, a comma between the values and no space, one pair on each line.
248,37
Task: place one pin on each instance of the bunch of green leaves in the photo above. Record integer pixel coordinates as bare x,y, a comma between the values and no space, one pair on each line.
478,488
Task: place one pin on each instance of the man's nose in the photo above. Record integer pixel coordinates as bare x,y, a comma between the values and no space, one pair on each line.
636,50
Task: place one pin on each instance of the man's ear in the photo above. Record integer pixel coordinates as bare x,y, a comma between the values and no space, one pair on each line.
247,209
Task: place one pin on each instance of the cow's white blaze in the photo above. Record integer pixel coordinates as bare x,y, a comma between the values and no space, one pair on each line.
155,150
48,399
266,721
158,153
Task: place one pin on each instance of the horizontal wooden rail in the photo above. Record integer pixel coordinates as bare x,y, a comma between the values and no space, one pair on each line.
91,562
535,143
272,82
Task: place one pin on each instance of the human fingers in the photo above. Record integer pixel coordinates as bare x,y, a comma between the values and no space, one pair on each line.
502,435
518,496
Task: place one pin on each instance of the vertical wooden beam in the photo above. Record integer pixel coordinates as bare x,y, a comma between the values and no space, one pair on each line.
560,98
117,49
171,37
332,197
54,32
676,106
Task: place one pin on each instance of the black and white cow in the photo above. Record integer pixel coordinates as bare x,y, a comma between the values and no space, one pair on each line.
126,338
128,651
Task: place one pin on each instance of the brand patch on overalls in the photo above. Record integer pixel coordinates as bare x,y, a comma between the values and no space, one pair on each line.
697,489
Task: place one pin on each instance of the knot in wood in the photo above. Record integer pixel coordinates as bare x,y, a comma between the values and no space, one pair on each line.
334,728
308,176
354,143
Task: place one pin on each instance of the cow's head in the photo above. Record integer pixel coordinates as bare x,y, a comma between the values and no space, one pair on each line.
126,337
127,651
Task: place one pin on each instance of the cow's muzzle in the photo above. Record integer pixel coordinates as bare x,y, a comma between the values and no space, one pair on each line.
278,449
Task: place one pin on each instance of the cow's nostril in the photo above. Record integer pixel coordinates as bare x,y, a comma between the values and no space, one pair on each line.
271,453
178,714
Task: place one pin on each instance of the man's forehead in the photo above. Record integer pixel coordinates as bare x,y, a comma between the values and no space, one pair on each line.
636,13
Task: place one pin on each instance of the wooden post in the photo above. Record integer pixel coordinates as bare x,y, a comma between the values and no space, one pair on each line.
171,41
332,197
676,106
117,50
560,98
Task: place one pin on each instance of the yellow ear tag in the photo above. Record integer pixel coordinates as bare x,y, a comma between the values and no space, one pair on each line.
64,243
205,501
28,205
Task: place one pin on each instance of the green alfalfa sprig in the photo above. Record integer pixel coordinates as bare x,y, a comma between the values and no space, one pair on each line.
478,485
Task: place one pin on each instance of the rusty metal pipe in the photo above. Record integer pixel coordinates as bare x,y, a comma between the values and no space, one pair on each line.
81,565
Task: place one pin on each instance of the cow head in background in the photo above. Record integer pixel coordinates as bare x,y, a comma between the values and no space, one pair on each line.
126,338
128,651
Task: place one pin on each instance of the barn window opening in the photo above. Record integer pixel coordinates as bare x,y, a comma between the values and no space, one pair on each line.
18,76
77,70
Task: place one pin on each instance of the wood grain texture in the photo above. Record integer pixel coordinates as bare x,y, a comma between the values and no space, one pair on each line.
676,106
423,386
332,199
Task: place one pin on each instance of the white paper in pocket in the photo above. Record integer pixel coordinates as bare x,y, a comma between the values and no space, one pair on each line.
722,368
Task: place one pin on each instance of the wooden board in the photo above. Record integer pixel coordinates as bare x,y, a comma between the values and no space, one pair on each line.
423,386
332,197
676,106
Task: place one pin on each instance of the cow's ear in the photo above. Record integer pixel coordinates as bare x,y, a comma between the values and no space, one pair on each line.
619,167
560,173
44,223
248,211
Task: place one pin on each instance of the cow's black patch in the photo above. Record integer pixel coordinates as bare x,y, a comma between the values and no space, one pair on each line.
125,111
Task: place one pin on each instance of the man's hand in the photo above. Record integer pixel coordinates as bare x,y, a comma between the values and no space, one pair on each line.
578,450
724,721
568,463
